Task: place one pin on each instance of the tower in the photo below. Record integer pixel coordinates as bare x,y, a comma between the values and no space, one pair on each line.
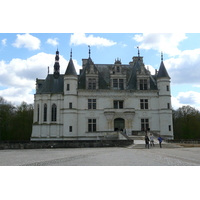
165,109
70,100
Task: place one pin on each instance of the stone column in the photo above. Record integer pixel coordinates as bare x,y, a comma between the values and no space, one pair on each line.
128,123
109,117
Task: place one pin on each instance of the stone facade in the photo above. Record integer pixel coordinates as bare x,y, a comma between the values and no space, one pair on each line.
102,100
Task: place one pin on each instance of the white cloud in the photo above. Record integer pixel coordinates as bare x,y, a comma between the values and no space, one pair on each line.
52,42
19,75
151,69
175,103
27,41
185,68
3,42
81,38
17,95
191,98
166,42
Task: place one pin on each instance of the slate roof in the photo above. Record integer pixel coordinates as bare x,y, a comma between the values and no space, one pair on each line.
52,85
162,71
70,68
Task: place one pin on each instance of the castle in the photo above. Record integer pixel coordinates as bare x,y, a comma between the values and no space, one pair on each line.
102,101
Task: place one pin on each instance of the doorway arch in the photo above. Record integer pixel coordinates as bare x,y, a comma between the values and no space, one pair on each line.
119,124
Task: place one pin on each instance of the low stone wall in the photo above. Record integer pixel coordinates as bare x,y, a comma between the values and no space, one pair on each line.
63,144
185,141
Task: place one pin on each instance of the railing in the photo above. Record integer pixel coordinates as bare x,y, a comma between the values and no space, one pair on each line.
126,136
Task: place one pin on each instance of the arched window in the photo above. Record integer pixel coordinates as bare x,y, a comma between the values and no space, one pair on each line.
53,112
38,112
45,112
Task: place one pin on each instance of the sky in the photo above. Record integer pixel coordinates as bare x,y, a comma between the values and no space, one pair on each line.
31,32
30,37
27,56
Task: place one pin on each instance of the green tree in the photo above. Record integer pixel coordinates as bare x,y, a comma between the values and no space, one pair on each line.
6,117
186,123
22,123
15,121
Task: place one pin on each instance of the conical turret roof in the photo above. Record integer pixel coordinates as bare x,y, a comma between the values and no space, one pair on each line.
70,68
162,73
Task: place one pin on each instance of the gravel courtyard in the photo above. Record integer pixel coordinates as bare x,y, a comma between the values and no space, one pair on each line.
113,156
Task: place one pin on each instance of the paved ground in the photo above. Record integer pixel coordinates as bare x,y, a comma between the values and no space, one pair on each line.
113,156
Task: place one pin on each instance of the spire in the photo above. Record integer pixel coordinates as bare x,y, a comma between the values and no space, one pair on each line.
162,72
138,52
70,67
89,50
161,56
71,54
56,65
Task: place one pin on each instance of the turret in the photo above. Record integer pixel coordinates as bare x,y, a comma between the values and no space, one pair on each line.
163,83
70,99
163,79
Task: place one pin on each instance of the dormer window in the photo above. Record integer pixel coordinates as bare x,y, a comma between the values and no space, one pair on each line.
92,83
143,84
118,84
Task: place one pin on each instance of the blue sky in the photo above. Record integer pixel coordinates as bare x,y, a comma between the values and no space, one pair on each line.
26,56
31,35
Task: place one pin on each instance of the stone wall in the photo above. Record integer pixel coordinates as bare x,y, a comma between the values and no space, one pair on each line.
63,144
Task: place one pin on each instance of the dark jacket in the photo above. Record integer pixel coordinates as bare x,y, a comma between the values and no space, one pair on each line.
160,139
146,139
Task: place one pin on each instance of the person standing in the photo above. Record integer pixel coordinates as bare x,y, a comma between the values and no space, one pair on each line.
146,141
160,141
151,137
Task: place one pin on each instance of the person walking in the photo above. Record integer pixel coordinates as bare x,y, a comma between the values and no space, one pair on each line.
151,137
160,141
146,141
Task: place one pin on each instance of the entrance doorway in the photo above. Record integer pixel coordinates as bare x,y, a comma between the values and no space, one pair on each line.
119,124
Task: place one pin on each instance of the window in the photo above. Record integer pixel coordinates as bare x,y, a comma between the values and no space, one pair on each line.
53,112
167,87
118,104
143,84
170,128
143,103
70,128
45,112
70,105
118,84
91,103
68,87
144,124
38,112
92,125
92,83
168,105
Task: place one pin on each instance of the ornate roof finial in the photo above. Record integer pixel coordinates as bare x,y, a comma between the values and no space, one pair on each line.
89,50
57,52
161,56
138,51
71,54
